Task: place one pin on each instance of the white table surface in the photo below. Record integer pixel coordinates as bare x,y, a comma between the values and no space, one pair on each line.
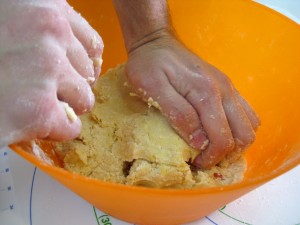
40,200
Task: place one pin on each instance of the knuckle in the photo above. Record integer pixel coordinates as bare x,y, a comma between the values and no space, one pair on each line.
78,95
49,59
53,22
225,144
96,45
45,108
209,86
227,84
87,101
249,138
144,86
225,79
42,113
256,122
185,122
176,116
203,98
229,144
185,115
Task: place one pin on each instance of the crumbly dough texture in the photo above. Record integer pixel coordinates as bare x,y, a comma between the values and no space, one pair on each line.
123,140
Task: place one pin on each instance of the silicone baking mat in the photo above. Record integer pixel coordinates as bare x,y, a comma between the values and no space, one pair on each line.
40,200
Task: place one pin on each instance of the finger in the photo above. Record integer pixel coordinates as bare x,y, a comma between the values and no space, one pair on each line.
64,125
80,60
39,114
75,90
253,117
89,38
216,126
183,118
240,125
181,115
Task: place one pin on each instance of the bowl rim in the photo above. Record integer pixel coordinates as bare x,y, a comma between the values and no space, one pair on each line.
271,10
206,190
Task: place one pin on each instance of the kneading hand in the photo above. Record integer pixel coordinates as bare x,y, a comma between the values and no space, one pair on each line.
49,56
199,101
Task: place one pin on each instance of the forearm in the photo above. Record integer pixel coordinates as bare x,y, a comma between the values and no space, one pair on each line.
142,20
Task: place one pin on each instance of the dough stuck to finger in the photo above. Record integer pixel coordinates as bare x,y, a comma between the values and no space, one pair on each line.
125,141
153,103
96,42
204,145
97,61
91,80
70,112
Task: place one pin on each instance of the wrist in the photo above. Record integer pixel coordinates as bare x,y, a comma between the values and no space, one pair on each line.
162,34
142,20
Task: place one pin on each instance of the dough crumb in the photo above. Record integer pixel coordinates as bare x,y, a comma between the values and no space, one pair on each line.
97,61
153,103
90,80
133,94
204,145
95,42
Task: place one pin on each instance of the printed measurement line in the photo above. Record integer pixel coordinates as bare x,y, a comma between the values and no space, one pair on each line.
31,192
99,223
10,207
210,220
6,170
234,218
96,215
3,154
103,219
9,188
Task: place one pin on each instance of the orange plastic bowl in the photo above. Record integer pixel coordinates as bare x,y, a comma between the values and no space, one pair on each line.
259,50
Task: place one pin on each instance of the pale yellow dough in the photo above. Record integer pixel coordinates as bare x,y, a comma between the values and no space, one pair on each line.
124,140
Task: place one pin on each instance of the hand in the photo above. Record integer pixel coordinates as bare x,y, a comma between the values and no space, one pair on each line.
199,101
49,56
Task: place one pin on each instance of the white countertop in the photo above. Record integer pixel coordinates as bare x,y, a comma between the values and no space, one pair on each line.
37,199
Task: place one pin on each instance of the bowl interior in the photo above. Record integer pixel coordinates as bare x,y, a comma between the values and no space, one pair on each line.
255,46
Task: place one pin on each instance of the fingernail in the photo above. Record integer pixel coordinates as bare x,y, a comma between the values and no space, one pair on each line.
199,140
70,113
